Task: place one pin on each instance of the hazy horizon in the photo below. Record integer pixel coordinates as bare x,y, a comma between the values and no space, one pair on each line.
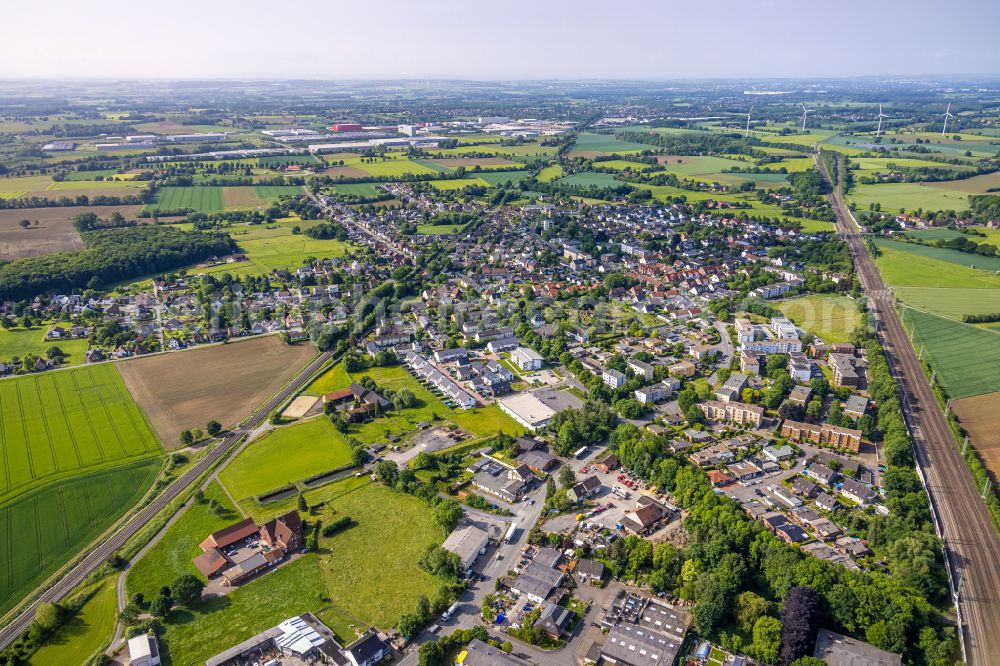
519,40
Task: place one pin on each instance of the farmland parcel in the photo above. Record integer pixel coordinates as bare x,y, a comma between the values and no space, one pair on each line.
224,383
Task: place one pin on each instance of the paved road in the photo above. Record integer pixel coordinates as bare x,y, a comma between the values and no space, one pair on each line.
971,544
100,552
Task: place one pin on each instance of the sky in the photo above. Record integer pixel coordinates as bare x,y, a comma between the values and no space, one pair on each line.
507,39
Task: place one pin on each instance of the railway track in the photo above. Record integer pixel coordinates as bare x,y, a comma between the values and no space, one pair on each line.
100,552
972,546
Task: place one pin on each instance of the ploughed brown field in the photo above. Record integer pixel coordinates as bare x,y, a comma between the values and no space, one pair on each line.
224,383
55,231
980,416
346,172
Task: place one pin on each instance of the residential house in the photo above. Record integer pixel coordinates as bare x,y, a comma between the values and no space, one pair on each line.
613,378
826,434
584,489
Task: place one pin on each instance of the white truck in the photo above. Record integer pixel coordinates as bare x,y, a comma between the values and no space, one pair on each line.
511,531
451,611
621,492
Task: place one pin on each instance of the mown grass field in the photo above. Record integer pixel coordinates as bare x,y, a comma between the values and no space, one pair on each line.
495,178
962,259
832,317
272,246
202,199
224,383
370,570
480,421
58,424
171,556
550,173
901,267
590,144
591,179
80,638
286,455
907,196
41,530
953,302
359,189
966,358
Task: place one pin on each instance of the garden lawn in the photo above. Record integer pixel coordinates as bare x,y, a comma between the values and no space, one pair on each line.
285,455
190,636
79,639
23,341
171,557
965,357
831,317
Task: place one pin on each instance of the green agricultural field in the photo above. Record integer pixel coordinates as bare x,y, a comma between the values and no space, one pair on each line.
370,570
272,246
550,173
952,303
171,556
591,179
434,166
907,196
91,175
456,183
23,341
963,259
500,177
285,455
935,233
807,140
394,168
986,183
79,639
815,226
200,199
275,191
901,267
359,189
56,425
589,142
621,165
966,358
13,187
524,150
42,529
480,421
70,186
285,160
831,317
191,636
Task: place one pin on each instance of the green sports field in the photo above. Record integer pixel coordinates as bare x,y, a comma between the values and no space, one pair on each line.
966,358
200,199
41,530
285,455
831,317
57,425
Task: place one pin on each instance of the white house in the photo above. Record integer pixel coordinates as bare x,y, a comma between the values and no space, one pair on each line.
527,358
143,650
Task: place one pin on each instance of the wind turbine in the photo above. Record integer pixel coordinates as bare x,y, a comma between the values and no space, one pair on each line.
748,121
880,117
805,112
946,115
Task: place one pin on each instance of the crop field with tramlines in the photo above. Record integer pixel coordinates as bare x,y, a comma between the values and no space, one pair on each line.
60,424
44,528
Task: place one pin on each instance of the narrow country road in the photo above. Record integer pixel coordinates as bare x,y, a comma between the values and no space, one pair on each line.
972,546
